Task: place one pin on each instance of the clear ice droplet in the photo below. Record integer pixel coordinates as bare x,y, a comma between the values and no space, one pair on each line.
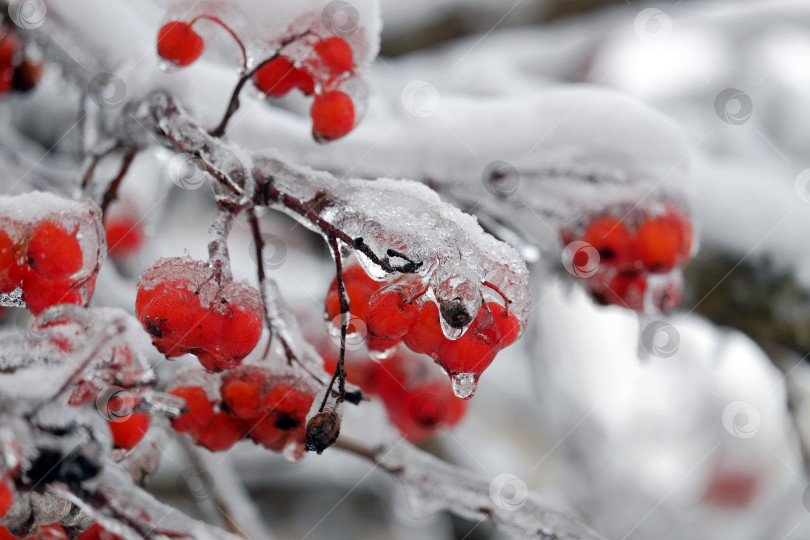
464,384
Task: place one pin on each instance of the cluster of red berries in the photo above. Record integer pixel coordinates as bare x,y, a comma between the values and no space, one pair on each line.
18,72
252,402
43,258
393,314
629,253
188,307
329,64
56,532
333,112
417,399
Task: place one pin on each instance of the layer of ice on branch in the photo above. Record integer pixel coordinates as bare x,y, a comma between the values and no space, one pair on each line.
435,485
408,221
537,161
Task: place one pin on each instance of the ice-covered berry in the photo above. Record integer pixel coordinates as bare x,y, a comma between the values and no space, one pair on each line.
391,314
128,431
333,115
12,269
179,44
335,54
53,252
279,76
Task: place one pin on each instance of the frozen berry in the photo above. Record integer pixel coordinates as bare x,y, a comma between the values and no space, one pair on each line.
332,116
40,293
179,43
127,432
391,314
279,76
12,270
336,54
611,239
663,242
6,495
200,410
425,335
53,252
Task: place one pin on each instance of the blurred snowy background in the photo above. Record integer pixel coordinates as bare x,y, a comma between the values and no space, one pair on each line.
684,426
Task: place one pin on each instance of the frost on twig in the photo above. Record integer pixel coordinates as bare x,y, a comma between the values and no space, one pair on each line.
435,485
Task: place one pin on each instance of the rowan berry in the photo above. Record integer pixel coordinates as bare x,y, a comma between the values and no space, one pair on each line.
127,432
336,55
40,293
391,314
12,270
611,239
333,115
179,43
124,236
53,252
279,76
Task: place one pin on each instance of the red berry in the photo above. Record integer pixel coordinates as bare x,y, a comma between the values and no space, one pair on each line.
417,402
332,116
242,398
336,54
200,410
9,45
390,314
40,293
97,532
124,236
179,43
425,336
12,270
277,77
128,432
359,288
626,289
611,239
54,253
6,495
664,242
220,434
241,331
507,323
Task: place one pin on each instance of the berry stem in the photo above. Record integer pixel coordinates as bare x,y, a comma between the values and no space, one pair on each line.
233,104
228,29
95,160
506,300
340,372
112,190
271,194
